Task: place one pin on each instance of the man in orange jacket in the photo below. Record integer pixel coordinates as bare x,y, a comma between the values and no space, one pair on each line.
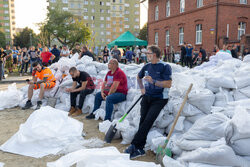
46,81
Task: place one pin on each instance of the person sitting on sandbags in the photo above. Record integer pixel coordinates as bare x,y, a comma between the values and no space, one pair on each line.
47,81
157,81
86,86
114,90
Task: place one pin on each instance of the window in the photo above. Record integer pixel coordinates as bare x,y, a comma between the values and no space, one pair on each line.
101,3
243,1
101,18
137,27
92,17
65,1
72,5
198,34
114,29
120,1
92,25
101,11
86,2
6,12
92,2
65,9
156,13
102,33
126,5
182,6
137,5
102,25
136,12
199,3
6,24
156,38
108,18
120,29
79,5
137,20
114,7
120,22
114,36
167,38
108,25
109,40
181,36
241,29
5,5
107,3
53,1
126,12
168,8
114,22
113,1
126,26
85,10
113,14
7,30
108,11
120,7
85,17
108,32
93,10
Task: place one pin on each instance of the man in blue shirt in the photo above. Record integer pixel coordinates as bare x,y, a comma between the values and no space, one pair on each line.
129,54
55,52
14,55
157,77
189,61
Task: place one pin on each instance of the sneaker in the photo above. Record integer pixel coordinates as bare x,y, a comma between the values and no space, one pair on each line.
27,105
130,149
90,116
137,153
38,106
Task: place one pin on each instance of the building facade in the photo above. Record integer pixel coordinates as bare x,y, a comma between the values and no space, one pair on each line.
107,19
202,23
7,19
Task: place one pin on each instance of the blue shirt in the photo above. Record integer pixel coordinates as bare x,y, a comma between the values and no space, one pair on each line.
159,72
129,55
14,53
189,51
55,52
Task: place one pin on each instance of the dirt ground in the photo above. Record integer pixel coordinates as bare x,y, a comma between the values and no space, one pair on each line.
12,118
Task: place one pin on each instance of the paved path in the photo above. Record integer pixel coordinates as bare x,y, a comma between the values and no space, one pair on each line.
15,79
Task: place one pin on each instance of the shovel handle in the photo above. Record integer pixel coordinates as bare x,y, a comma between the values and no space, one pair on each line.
179,112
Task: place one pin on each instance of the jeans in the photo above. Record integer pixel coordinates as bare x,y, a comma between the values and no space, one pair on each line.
150,109
83,95
1,70
31,62
24,65
110,101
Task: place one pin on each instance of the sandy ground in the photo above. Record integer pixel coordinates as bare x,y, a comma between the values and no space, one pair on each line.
12,118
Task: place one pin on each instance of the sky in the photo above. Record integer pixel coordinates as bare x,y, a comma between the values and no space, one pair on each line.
31,12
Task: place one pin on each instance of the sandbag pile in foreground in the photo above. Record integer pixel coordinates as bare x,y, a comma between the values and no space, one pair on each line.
48,131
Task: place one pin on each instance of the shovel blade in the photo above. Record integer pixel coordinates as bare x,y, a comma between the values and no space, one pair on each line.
52,102
110,134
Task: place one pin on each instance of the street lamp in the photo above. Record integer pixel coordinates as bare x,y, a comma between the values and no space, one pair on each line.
30,40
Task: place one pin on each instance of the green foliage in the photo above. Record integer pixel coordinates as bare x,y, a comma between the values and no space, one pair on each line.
2,39
24,39
143,35
66,28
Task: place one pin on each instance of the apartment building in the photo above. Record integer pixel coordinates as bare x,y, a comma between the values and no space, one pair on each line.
7,19
107,19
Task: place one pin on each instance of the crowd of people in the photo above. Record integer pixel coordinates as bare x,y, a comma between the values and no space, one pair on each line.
23,58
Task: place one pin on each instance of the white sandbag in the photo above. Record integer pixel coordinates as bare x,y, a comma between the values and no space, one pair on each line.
242,78
240,147
194,118
100,114
239,95
246,59
220,155
159,141
104,126
211,127
221,80
175,149
65,83
245,91
169,162
108,157
222,98
62,106
163,120
202,99
10,98
179,127
151,135
203,165
127,131
190,145
66,63
88,104
46,131
241,125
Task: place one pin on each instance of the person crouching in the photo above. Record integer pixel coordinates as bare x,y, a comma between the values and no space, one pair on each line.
47,81
86,86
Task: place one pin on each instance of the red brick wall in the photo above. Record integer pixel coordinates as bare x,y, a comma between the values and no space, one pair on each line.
192,16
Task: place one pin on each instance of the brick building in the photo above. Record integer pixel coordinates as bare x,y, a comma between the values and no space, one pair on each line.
198,22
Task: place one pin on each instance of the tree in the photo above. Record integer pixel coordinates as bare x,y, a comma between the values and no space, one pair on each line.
25,38
44,37
66,28
2,39
143,35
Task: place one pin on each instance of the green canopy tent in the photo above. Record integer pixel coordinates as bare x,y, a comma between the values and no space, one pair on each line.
127,39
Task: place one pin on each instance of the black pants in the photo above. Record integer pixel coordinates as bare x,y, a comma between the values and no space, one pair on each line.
150,109
189,61
83,95
24,67
183,59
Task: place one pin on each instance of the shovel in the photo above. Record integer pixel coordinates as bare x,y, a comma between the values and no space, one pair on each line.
112,129
162,150
52,100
